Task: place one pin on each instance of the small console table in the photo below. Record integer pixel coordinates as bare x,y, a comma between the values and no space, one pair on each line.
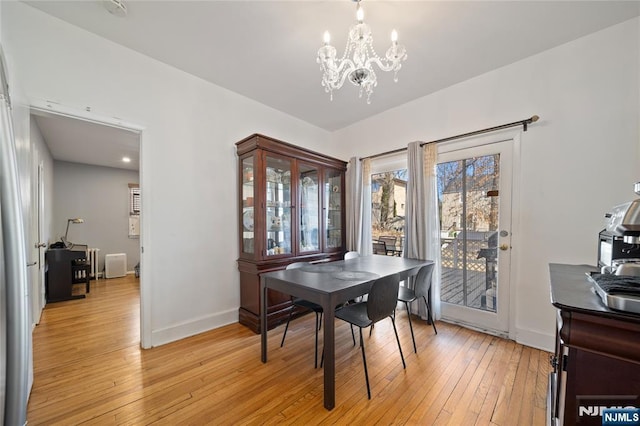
64,268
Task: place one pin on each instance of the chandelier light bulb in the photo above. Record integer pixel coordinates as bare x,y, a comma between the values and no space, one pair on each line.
394,37
359,14
326,37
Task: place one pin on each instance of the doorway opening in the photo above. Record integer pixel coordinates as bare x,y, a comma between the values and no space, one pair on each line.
93,151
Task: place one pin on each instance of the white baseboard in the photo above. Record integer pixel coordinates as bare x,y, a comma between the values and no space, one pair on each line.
536,339
475,327
191,328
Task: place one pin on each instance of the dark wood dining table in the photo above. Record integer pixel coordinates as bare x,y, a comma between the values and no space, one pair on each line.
329,284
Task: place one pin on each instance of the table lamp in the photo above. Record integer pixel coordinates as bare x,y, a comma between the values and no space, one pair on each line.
70,221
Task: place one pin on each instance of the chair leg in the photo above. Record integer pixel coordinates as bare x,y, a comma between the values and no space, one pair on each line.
319,325
398,340
415,350
353,336
286,327
433,323
371,330
315,353
364,362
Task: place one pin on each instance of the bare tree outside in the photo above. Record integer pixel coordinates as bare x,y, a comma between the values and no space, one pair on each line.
388,202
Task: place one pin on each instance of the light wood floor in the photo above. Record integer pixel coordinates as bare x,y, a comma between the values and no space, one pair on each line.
89,369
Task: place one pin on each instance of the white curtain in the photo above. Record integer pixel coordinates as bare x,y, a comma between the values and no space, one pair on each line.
358,206
432,221
422,236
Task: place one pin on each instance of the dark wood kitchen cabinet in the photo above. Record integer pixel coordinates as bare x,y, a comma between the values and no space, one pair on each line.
597,355
290,209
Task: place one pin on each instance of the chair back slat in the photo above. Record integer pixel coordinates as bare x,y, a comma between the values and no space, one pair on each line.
423,280
389,241
382,298
351,255
379,247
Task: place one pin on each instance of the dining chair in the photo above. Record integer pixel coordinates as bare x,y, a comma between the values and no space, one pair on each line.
420,290
380,304
379,247
351,255
390,244
305,304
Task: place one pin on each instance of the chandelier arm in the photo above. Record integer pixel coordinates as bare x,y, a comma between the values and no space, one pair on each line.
344,69
384,65
346,66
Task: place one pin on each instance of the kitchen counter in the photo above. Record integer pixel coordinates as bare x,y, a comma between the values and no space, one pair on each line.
597,356
571,290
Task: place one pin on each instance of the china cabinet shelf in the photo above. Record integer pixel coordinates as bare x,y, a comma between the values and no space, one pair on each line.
295,197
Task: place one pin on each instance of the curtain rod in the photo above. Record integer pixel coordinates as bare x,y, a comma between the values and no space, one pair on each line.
524,123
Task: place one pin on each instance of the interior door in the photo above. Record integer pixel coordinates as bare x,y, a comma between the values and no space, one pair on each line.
474,194
42,239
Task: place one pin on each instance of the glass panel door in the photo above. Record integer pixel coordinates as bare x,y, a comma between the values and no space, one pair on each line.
247,205
278,206
333,209
474,197
309,208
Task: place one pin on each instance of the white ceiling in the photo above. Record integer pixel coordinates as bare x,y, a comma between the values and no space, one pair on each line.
81,141
266,50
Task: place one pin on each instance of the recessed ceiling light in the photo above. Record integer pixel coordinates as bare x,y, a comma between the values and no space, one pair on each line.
126,159
115,7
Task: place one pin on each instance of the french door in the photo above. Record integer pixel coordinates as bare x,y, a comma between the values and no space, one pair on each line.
474,197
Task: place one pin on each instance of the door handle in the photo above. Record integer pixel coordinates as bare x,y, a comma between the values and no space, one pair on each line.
40,245
504,247
32,264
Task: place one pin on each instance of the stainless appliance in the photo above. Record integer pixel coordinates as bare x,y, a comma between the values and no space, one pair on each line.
621,237
15,333
621,292
618,284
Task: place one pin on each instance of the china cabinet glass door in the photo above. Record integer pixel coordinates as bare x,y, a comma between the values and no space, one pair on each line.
278,206
248,237
309,207
333,209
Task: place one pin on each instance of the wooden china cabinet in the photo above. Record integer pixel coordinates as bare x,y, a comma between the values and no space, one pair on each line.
291,208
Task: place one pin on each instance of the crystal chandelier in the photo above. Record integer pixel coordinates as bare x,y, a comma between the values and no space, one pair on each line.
358,59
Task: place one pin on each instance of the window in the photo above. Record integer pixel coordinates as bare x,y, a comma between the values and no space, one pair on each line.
388,199
134,210
134,199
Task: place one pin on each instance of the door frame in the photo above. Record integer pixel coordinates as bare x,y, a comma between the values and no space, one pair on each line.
145,287
41,214
500,136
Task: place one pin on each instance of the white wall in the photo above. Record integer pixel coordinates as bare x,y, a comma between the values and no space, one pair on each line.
188,165
578,161
100,196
